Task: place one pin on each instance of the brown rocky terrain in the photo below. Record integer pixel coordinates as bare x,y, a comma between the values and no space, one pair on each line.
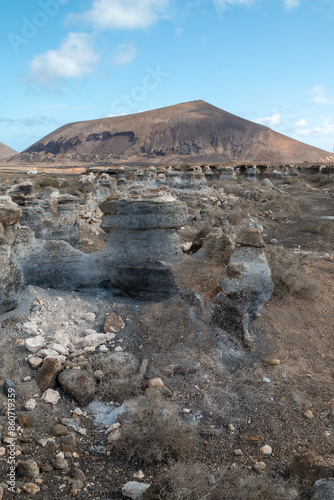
6,152
224,400
189,133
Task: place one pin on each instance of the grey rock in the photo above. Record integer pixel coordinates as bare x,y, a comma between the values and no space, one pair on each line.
246,286
10,388
274,241
267,183
323,489
134,490
28,468
79,385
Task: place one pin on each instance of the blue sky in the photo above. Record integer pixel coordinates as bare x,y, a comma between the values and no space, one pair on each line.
269,61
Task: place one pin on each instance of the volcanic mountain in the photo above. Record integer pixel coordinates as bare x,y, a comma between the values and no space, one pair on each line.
6,151
192,132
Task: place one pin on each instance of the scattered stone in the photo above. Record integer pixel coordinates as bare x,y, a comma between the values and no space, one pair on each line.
59,348
30,404
78,474
59,430
119,349
238,452
94,340
135,490
266,449
103,348
51,396
73,423
28,468
114,436
25,421
323,489
68,442
79,385
26,379
266,380
274,362
30,488
30,328
35,344
35,362
60,463
260,466
155,383
10,389
48,373
139,475
231,427
113,324
274,241
2,451
89,317
77,485
308,414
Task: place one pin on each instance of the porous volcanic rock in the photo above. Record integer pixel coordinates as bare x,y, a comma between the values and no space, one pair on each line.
10,275
246,285
143,240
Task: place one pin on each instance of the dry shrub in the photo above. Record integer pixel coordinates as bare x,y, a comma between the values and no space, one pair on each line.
49,182
283,206
192,482
325,228
120,381
290,274
239,212
157,434
321,180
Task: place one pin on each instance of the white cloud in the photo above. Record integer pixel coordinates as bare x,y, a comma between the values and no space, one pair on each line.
325,128
274,120
301,123
320,95
125,54
291,4
125,14
74,58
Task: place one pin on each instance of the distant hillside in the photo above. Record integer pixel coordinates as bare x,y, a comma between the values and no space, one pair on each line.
5,151
193,132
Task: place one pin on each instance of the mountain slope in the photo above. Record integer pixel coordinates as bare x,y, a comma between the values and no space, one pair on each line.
191,132
6,151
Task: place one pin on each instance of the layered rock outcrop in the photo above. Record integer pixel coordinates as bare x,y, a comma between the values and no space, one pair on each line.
143,242
246,286
138,256
10,275
53,217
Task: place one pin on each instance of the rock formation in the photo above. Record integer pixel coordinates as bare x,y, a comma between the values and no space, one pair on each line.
143,242
137,258
10,275
246,285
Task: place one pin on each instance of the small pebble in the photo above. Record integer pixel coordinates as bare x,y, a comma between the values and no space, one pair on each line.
274,362
308,414
266,449
238,452
266,380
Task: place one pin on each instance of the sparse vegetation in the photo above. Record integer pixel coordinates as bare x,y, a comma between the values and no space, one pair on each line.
290,274
325,228
157,433
193,482
49,182
119,381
